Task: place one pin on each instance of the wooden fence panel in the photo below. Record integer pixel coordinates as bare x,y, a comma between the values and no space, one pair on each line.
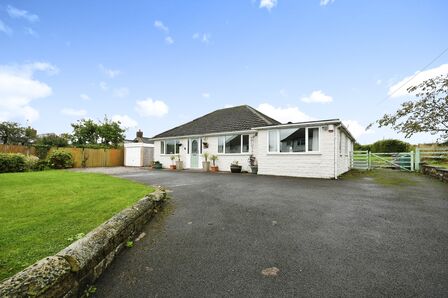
27,150
115,157
86,157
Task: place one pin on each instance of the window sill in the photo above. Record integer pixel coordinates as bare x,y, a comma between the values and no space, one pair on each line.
233,154
294,153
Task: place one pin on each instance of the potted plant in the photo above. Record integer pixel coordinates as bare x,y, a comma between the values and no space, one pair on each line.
205,163
253,164
179,164
235,167
157,165
173,166
214,168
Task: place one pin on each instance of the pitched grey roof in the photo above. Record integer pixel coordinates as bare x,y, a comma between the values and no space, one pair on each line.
238,118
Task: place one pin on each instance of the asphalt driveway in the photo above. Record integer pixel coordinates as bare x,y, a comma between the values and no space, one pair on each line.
351,237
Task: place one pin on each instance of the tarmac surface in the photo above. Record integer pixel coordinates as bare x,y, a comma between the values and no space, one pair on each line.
233,235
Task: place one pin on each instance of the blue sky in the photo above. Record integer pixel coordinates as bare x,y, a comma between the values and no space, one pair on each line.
157,64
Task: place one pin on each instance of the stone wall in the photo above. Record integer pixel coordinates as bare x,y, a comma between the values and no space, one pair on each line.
70,272
436,172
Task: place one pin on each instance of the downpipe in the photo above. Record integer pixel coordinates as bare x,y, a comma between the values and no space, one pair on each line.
335,152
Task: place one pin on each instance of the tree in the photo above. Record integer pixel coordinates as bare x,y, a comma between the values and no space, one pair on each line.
85,131
110,132
53,140
11,132
88,132
429,113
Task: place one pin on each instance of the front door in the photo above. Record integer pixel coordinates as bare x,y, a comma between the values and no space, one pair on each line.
194,154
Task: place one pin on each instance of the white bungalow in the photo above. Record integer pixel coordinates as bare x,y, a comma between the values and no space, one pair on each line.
317,149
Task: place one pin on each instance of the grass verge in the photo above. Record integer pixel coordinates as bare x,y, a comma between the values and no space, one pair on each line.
41,212
385,177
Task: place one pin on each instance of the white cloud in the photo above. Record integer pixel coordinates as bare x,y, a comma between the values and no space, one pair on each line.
268,4
159,25
356,128
284,115
228,106
325,2
149,107
31,32
400,89
4,28
379,82
111,73
169,40
84,96
73,112
206,95
120,92
18,88
317,96
21,14
125,121
202,37
104,86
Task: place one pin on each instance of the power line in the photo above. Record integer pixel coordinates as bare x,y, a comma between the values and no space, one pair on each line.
416,74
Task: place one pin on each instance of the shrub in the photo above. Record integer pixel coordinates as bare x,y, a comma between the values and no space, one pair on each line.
41,165
391,145
30,162
60,159
12,162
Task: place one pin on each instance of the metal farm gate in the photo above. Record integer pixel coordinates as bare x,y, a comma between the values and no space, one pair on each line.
365,160
404,161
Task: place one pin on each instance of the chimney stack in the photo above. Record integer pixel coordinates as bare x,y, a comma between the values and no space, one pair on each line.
139,134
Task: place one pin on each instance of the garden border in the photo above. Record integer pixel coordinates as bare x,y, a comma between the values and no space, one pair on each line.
74,269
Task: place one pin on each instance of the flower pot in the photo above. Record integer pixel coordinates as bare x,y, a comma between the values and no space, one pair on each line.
206,166
235,168
172,167
179,165
254,169
157,166
214,169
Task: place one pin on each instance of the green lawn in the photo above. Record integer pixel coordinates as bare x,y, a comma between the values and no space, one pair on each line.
40,211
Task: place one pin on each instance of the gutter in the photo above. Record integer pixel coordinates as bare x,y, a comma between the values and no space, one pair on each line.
205,135
299,124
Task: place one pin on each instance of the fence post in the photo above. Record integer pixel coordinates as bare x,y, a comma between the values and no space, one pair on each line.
369,161
417,159
412,161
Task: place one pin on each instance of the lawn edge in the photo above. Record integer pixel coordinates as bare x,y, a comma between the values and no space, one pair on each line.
75,268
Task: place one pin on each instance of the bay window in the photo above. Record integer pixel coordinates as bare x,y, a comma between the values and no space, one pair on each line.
233,144
293,140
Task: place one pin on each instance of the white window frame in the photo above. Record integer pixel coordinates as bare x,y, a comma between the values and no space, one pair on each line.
241,151
294,153
176,141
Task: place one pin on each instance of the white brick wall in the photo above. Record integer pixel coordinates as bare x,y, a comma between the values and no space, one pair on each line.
300,164
223,162
313,165
344,154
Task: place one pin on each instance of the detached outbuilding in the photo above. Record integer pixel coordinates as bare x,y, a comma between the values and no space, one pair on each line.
139,152
317,149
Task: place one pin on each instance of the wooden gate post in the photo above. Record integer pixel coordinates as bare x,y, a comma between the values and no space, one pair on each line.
412,161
